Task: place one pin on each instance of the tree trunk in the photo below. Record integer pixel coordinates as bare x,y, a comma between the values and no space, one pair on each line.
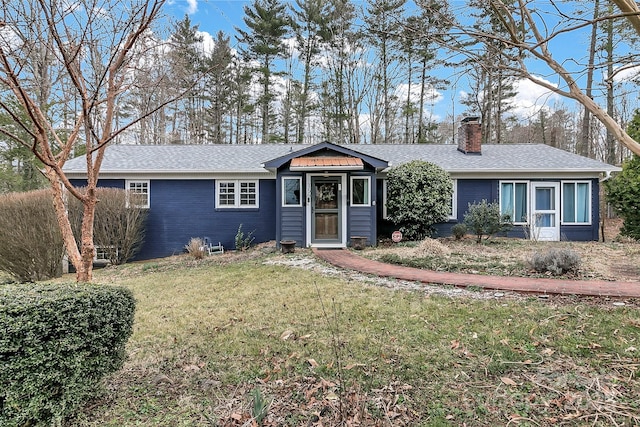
423,83
87,248
585,137
610,142
82,260
409,107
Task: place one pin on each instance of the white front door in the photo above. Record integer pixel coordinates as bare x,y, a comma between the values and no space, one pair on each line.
545,212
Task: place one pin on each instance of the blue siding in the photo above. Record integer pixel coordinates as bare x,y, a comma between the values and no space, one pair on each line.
471,191
362,223
292,223
182,209
361,220
474,191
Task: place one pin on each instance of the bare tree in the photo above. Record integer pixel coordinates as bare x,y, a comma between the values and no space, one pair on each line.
524,36
53,50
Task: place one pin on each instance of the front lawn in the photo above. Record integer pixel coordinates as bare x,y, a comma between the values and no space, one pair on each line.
222,340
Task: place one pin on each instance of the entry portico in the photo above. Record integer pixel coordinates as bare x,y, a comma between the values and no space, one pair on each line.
329,194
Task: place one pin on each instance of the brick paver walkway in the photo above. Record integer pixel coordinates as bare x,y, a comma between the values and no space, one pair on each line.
349,260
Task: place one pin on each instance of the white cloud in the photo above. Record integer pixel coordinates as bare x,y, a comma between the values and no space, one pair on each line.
628,73
207,41
192,6
432,95
530,98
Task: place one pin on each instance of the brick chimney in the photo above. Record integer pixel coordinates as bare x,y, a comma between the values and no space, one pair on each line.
470,136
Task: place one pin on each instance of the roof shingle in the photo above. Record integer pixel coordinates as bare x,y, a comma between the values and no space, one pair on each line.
140,159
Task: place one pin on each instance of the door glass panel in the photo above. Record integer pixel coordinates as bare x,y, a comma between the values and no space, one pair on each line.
326,195
545,220
545,199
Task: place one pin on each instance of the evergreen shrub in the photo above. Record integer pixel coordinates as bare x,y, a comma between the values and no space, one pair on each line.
623,192
418,197
484,219
57,343
458,231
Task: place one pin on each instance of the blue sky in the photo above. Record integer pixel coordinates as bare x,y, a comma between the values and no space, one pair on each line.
224,15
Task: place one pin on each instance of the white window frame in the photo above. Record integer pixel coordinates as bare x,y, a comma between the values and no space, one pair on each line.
527,193
237,184
136,182
589,196
284,192
384,199
368,187
454,201
99,252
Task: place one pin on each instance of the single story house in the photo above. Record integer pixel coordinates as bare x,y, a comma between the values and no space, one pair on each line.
322,195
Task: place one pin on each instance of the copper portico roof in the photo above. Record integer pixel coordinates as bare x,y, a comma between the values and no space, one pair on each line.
326,162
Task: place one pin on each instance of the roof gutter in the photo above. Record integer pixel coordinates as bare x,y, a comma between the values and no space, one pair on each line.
607,176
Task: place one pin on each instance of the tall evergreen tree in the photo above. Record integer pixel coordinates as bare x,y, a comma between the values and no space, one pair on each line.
267,24
346,81
420,51
493,82
383,19
219,89
186,58
313,31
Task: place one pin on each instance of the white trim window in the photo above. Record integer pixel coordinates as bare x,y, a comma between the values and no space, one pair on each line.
139,191
291,191
514,200
576,202
384,199
360,191
237,194
453,213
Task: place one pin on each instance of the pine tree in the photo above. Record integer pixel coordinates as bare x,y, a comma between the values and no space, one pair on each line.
219,90
383,23
267,24
186,59
312,29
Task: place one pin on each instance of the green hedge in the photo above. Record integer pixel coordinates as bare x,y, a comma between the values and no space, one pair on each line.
57,342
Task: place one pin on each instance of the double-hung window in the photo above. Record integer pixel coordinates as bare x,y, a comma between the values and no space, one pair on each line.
237,194
453,212
360,191
576,202
138,193
514,200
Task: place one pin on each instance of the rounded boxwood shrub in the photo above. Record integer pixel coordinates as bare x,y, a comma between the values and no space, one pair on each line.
418,197
57,343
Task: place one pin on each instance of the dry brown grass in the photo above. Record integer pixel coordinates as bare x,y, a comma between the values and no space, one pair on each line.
332,350
615,261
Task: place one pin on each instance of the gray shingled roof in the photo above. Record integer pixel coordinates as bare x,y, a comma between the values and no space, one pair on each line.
139,159
494,157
